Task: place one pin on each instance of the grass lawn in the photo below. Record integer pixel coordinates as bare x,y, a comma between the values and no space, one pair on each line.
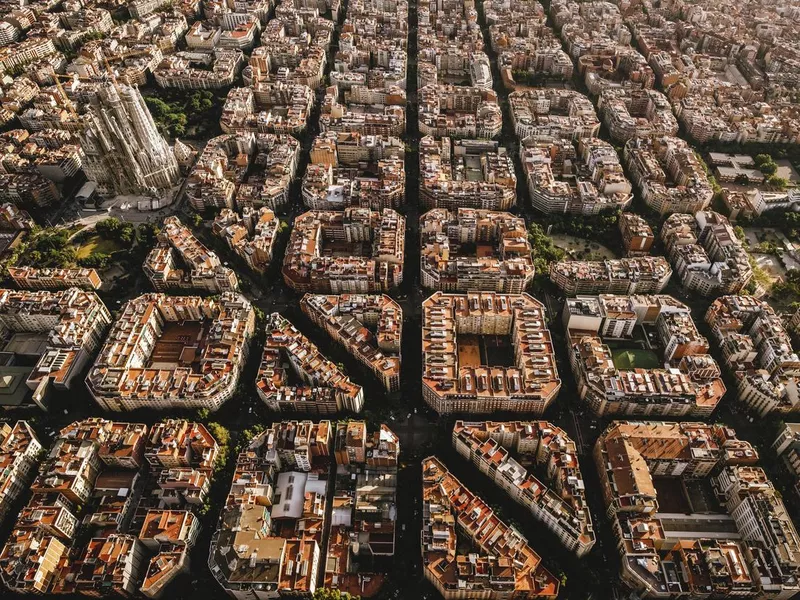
635,359
94,243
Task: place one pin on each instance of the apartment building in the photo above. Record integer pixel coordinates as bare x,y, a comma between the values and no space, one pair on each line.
465,174
201,69
456,111
706,254
631,113
368,326
167,352
294,47
205,270
267,107
323,389
687,380
500,262
456,377
637,236
616,67
350,169
449,509
638,275
523,42
589,27
364,504
180,443
31,278
269,537
668,174
93,475
355,251
251,236
222,177
380,112
19,457
560,504
12,218
27,51
758,350
74,323
53,154
450,46
554,113
584,178
671,555
787,447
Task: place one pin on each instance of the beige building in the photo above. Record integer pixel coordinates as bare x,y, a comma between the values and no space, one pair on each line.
457,376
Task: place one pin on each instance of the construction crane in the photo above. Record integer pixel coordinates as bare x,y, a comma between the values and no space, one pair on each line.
108,71
70,106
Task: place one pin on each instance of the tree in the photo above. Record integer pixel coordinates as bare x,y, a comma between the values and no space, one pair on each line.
768,168
96,260
778,182
108,229
331,594
544,251
146,233
760,159
221,434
